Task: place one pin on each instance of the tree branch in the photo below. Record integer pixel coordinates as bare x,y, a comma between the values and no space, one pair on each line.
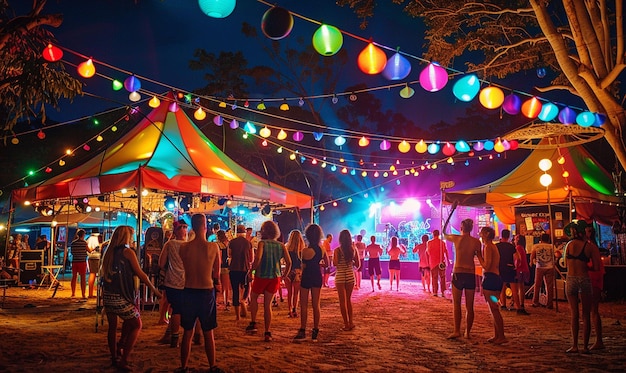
568,88
612,75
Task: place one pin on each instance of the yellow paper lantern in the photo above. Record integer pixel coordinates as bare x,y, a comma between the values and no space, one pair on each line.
363,141
199,114
265,132
372,60
404,147
491,97
282,135
154,102
421,147
499,146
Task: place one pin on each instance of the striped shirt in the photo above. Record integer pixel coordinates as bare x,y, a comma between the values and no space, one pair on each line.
79,251
269,265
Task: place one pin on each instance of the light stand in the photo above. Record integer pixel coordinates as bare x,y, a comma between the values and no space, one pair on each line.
545,165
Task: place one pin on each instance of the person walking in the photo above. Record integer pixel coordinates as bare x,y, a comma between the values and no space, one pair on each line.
312,281
522,272
360,248
119,296
78,248
201,261
463,276
267,275
346,258
241,257
424,264
542,256
394,251
492,283
438,261
374,251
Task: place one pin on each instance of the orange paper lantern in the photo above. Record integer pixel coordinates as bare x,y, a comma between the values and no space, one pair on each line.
372,60
531,108
87,69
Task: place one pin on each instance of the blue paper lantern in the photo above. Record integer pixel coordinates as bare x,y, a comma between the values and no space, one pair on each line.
488,145
340,140
585,119
462,146
217,8
466,88
397,67
541,72
132,84
567,116
433,148
318,136
600,119
548,112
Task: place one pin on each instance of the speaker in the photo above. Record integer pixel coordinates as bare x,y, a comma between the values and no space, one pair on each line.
29,270
29,255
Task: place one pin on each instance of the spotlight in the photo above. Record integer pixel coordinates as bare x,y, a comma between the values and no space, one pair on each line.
267,210
170,203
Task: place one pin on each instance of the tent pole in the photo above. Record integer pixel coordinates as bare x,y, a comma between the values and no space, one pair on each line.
6,245
139,207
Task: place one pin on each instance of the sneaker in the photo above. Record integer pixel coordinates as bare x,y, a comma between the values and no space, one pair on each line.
268,336
522,311
314,333
251,328
301,335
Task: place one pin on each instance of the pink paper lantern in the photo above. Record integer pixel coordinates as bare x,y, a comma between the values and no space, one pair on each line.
385,145
298,136
434,77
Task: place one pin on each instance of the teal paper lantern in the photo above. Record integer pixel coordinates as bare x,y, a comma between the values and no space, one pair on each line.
488,146
548,112
340,140
466,88
217,8
249,128
585,119
433,148
327,40
462,146
397,67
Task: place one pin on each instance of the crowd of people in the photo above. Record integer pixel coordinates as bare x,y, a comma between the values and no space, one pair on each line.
206,266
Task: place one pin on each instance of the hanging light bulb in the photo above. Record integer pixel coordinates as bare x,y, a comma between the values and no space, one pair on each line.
99,138
261,106
134,96
52,53
117,85
281,135
86,69
234,124
199,114
173,107
363,141
154,102
265,132
114,129
284,106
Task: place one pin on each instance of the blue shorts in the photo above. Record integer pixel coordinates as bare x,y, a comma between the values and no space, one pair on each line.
464,281
492,281
198,304
175,297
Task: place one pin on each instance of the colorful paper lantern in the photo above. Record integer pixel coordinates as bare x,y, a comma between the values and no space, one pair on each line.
117,85
448,149
491,97
154,102
173,107
600,119
363,141
531,107
397,67
52,53
217,8
86,69
249,128
218,120
478,146
404,146
132,84
549,111
281,135
340,140
372,60
585,119
462,146
567,116
512,104
199,114
134,96
277,23
385,145
407,92
434,77
318,136
499,146
488,145
421,147
234,124
433,148
466,88
265,132
299,136
327,40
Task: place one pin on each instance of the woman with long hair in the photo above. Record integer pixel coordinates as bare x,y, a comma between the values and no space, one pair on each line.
578,252
222,242
346,257
119,267
295,245
394,251
311,282
522,272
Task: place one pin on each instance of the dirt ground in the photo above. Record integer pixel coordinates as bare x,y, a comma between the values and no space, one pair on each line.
395,331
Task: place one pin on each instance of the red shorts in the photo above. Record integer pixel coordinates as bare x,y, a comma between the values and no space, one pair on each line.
262,285
79,267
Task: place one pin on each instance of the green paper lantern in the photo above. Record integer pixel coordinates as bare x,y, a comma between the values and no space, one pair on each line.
327,40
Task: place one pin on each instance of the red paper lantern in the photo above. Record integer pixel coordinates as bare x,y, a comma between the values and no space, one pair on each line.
448,149
531,108
372,60
52,53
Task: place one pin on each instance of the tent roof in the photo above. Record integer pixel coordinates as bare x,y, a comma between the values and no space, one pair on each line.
165,151
585,179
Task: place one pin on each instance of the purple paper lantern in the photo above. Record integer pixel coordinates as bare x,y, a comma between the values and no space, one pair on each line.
567,116
433,78
298,136
512,104
218,120
385,145
397,67
132,84
478,146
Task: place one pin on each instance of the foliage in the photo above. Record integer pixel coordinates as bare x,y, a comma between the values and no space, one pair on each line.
27,82
582,42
